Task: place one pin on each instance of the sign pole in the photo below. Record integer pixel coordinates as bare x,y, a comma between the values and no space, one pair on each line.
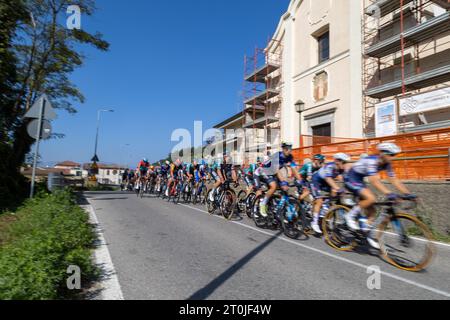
36,152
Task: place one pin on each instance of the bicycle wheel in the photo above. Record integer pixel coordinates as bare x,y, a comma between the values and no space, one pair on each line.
241,201
290,227
259,221
228,204
203,195
210,205
406,242
335,229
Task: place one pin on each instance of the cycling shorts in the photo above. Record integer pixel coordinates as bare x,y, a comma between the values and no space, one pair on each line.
319,187
354,184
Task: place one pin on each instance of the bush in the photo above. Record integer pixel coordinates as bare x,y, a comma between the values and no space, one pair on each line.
50,233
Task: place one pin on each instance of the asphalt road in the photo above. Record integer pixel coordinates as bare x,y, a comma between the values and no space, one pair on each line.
165,251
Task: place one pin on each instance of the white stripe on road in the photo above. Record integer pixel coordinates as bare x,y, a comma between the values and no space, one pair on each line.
110,286
330,255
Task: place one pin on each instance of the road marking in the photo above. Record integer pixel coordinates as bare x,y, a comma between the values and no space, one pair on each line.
330,255
110,285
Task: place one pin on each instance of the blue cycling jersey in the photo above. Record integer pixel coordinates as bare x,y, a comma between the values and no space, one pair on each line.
278,161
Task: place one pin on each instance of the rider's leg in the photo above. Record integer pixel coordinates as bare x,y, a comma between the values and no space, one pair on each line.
367,200
269,194
318,203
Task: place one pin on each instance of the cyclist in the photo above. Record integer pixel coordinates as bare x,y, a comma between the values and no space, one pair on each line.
369,167
324,181
176,172
227,171
214,167
142,170
306,173
251,179
271,173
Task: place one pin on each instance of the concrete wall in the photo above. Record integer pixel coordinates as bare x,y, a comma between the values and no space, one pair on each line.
435,203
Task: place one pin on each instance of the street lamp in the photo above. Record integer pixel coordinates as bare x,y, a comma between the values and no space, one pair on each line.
95,158
300,108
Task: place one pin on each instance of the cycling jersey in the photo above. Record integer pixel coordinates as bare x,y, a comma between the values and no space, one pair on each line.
319,183
227,170
277,162
308,170
367,167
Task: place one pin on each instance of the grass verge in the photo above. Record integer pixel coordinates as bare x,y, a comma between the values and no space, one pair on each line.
39,242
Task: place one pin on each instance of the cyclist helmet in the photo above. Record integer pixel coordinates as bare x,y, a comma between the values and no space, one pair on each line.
319,157
266,159
389,148
168,162
152,168
342,157
286,145
145,160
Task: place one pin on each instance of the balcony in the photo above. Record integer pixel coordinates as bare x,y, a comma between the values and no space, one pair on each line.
418,81
412,36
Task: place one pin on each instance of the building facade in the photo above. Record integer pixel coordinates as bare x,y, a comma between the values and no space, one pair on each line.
321,69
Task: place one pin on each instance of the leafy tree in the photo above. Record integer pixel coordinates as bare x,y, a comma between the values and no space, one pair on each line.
41,53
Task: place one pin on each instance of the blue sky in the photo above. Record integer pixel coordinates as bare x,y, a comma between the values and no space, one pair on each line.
170,63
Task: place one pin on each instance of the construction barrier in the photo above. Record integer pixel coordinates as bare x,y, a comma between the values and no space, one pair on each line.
425,154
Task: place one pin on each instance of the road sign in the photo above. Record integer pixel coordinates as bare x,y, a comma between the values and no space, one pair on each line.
49,112
43,112
46,130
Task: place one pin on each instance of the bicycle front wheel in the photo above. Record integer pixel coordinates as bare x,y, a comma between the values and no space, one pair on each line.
406,242
335,230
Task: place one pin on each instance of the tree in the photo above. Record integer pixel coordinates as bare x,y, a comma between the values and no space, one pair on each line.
45,53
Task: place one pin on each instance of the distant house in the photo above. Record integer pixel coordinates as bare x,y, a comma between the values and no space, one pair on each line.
70,168
110,174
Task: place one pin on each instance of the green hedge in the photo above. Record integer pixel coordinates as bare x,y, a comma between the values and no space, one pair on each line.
50,233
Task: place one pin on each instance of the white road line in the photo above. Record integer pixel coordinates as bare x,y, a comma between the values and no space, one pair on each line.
110,286
387,274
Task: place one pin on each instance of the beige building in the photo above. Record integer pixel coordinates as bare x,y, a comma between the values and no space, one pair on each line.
334,68
321,83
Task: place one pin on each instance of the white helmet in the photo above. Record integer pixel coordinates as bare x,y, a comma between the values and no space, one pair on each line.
389,148
342,157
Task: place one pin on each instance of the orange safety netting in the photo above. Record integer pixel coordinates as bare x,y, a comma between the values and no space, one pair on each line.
425,154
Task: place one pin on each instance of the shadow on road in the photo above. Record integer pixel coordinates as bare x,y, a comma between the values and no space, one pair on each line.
209,289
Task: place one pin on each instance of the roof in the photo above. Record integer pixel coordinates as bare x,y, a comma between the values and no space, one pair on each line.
230,120
44,171
104,166
68,164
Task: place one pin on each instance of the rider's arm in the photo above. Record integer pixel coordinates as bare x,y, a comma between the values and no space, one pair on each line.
399,185
332,184
376,182
234,175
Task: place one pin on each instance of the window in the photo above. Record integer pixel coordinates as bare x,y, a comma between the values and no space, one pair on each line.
324,46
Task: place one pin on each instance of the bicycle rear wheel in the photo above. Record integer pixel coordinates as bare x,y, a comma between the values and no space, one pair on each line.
406,242
335,229
227,205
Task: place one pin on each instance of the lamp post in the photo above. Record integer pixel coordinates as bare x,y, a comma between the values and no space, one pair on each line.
99,113
300,108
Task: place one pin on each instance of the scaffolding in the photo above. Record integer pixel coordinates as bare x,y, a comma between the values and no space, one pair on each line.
262,92
406,50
